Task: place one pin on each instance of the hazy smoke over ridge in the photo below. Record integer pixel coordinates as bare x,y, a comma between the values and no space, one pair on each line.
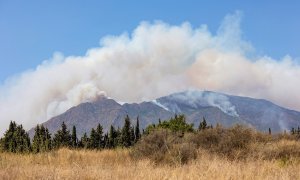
196,99
155,60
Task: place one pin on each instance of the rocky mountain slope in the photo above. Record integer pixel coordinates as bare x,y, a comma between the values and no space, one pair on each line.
215,107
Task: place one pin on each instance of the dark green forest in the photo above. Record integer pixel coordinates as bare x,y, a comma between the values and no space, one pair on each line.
17,140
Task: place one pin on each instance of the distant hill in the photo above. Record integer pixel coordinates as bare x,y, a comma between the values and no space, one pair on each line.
215,107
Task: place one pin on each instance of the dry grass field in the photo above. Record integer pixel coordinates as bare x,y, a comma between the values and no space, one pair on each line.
119,164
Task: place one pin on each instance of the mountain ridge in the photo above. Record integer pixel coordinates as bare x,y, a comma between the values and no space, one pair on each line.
215,107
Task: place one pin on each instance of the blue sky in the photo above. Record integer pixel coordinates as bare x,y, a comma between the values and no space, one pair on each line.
31,31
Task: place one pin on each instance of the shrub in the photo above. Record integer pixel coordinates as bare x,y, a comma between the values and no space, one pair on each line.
164,146
232,143
207,139
181,153
235,139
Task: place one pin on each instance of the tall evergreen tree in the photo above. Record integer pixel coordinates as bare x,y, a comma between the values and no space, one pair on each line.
74,138
119,137
93,142
137,130
36,140
27,143
22,140
45,139
105,141
99,137
15,139
62,138
125,136
48,142
84,141
42,139
11,137
112,137
132,136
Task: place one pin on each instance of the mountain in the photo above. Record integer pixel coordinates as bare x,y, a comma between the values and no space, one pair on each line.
107,112
228,110
215,107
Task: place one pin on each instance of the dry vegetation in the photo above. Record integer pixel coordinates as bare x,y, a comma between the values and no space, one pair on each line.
237,153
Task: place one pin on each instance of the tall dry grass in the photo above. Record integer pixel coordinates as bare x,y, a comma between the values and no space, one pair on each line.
118,164
234,153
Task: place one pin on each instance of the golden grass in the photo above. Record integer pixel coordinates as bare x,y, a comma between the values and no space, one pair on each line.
117,164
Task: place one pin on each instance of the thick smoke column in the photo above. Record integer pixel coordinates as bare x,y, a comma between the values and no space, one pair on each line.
155,60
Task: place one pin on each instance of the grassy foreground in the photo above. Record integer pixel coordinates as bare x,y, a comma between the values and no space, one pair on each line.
118,164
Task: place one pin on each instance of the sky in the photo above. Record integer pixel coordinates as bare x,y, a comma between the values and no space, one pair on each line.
31,31
57,54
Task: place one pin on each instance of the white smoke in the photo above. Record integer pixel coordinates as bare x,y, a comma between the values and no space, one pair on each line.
197,99
155,60
222,102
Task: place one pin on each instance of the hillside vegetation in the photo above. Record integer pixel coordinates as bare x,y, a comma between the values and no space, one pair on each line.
171,149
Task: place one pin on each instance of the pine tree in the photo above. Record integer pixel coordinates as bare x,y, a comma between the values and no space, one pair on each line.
84,141
132,136
42,139
15,139
11,143
93,143
119,137
22,140
125,136
99,137
62,138
27,143
202,125
48,142
112,138
105,141
74,138
137,130
36,140
18,139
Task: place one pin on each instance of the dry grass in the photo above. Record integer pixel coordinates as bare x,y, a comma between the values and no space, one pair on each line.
118,164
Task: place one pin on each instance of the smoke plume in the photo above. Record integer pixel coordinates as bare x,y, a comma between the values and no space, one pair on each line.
156,59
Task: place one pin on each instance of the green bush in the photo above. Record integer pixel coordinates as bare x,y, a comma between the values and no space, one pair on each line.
176,124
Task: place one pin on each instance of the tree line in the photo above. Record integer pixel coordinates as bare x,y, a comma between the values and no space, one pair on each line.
17,140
